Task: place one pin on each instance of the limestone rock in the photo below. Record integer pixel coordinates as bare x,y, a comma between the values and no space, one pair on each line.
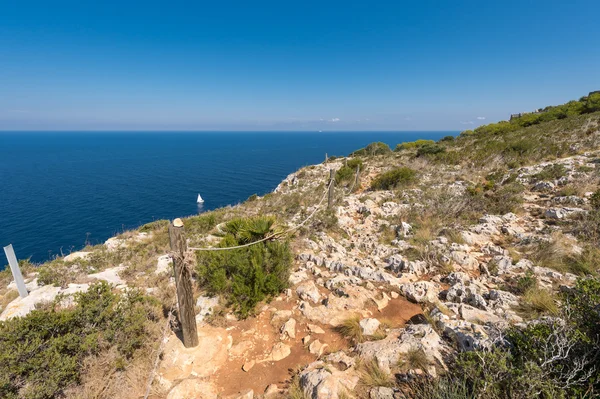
193,388
381,393
369,326
279,351
164,264
308,291
205,306
317,347
327,383
77,255
110,275
421,291
288,330
248,365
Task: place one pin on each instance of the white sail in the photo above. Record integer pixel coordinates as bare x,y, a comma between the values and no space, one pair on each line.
200,200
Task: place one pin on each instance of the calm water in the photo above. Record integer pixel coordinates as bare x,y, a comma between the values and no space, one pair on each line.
59,189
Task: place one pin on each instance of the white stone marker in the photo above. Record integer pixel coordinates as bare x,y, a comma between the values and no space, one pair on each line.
16,272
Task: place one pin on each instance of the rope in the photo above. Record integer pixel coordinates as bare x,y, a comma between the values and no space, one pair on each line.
274,234
159,351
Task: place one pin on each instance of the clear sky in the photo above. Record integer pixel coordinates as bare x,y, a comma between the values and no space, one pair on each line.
290,65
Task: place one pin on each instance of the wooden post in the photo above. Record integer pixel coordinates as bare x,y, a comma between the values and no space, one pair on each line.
16,272
357,178
326,157
331,184
183,282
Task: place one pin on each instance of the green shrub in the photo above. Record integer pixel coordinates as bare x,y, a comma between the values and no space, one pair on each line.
201,224
430,149
595,200
153,226
348,172
376,148
446,139
551,172
409,145
394,178
246,276
41,354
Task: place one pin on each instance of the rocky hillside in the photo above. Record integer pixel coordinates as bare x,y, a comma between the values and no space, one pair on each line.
451,270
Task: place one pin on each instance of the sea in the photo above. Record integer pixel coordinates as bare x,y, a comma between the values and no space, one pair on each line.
62,190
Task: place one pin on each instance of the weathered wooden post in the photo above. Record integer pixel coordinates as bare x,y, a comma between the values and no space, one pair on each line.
357,178
183,282
331,184
16,272
326,158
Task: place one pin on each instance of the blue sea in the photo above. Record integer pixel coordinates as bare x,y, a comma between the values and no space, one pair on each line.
59,190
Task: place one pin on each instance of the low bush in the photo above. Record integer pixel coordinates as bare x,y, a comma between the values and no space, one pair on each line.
551,172
201,224
394,178
246,276
153,226
430,149
347,172
376,148
413,144
41,354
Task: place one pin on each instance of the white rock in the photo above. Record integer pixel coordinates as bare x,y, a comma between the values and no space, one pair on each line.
77,255
369,326
288,329
110,275
164,264
308,291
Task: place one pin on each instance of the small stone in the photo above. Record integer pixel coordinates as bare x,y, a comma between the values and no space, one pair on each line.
394,295
306,340
279,351
288,330
271,390
248,365
317,348
314,329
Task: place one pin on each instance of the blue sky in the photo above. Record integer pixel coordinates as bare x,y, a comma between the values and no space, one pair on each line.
283,65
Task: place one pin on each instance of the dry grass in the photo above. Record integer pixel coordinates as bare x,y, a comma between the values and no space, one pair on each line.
537,301
371,375
415,359
350,329
7,298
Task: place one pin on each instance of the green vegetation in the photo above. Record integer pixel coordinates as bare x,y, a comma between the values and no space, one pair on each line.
376,148
430,149
41,354
585,105
551,172
246,276
546,359
347,172
410,145
394,178
350,329
371,375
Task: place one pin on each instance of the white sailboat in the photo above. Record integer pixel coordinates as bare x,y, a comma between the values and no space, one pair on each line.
200,200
